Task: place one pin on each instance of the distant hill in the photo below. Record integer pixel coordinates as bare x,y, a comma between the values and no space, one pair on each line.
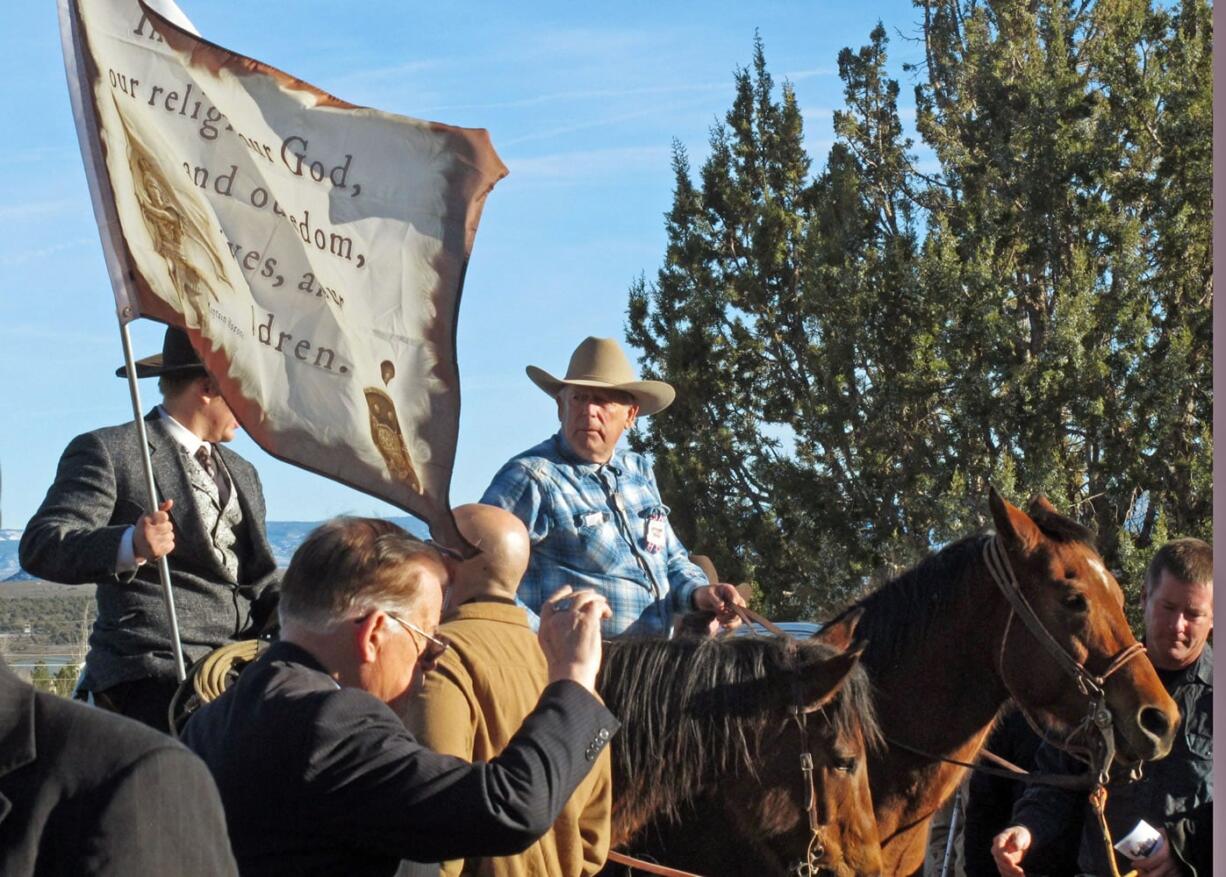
283,536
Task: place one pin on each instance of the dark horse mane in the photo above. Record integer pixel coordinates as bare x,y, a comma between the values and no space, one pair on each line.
694,711
898,615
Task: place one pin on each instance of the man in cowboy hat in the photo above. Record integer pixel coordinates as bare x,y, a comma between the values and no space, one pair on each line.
593,511
94,526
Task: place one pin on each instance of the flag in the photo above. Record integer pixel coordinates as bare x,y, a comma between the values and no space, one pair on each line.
313,250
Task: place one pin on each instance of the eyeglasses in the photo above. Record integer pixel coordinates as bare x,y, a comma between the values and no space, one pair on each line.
437,644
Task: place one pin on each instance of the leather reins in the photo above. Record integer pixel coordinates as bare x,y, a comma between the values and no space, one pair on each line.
816,849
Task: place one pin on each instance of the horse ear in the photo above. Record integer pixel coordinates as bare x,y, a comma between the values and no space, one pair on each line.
1013,524
1041,504
819,681
840,633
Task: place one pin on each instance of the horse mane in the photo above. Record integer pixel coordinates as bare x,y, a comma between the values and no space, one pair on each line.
898,615
694,712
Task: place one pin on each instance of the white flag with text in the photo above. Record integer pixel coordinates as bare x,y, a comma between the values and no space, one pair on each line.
313,250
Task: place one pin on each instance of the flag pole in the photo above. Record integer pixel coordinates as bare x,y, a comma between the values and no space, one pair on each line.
104,214
151,497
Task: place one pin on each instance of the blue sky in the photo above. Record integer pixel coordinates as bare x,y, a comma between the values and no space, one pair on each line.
582,103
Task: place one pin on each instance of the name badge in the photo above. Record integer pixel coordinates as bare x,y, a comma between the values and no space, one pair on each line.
655,532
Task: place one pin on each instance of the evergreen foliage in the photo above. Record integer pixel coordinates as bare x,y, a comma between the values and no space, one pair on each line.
860,351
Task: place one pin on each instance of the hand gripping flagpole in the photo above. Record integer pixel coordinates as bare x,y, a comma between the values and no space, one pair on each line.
120,273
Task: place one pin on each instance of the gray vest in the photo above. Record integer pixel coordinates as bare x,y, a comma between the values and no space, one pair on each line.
220,523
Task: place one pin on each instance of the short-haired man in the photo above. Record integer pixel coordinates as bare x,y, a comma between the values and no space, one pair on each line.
488,681
1175,794
95,526
593,511
317,772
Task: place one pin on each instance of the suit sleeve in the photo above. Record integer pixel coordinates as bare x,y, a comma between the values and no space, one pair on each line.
164,816
388,791
74,536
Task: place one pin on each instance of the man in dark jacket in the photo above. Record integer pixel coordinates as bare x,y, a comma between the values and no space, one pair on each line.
83,791
1175,794
95,526
316,770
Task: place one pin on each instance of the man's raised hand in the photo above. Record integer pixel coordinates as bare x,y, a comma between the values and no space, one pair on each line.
570,635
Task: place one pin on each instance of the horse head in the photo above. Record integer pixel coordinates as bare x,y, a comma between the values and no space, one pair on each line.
1078,603
744,755
813,795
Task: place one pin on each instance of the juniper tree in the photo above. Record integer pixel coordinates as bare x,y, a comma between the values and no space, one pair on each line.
860,351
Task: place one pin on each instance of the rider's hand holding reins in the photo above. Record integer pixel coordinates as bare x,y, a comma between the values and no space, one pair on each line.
720,598
570,635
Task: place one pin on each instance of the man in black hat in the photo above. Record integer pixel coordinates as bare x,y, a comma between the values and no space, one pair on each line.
94,526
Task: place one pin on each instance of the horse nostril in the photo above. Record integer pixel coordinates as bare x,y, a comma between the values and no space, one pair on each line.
1155,722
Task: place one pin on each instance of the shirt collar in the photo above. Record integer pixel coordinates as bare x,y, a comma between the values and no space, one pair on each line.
1203,668
1200,670
568,456
186,439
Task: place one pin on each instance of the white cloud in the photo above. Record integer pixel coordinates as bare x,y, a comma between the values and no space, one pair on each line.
35,209
20,258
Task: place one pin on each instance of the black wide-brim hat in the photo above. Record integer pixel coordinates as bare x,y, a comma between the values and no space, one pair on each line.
177,357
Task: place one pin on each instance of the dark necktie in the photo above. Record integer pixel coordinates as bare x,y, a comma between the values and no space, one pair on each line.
205,456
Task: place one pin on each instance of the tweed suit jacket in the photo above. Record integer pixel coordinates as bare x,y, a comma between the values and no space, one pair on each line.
84,791
74,538
322,780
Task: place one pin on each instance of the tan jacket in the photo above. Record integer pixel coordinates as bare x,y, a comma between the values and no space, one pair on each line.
471,706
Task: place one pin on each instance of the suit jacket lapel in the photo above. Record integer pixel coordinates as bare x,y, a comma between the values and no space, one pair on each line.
171,478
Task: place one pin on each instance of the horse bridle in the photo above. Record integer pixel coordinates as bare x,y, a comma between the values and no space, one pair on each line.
1098,717
807,867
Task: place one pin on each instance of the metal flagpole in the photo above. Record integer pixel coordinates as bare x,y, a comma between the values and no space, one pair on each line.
953,833
111,234
152,497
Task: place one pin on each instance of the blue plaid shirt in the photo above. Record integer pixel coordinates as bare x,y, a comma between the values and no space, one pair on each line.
588,525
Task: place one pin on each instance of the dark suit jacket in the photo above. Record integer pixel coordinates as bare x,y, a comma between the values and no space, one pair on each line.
318,779
74,537
83,791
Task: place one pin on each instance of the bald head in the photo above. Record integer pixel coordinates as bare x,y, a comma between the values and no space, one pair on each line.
503,541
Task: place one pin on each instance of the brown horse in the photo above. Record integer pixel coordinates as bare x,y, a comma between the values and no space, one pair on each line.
946,650
707,768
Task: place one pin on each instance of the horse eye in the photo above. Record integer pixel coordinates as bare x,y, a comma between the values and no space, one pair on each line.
1075,601
845,765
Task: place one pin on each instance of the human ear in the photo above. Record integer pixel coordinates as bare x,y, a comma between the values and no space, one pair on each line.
369,637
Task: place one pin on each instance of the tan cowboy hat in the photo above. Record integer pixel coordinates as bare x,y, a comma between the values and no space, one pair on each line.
600,362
